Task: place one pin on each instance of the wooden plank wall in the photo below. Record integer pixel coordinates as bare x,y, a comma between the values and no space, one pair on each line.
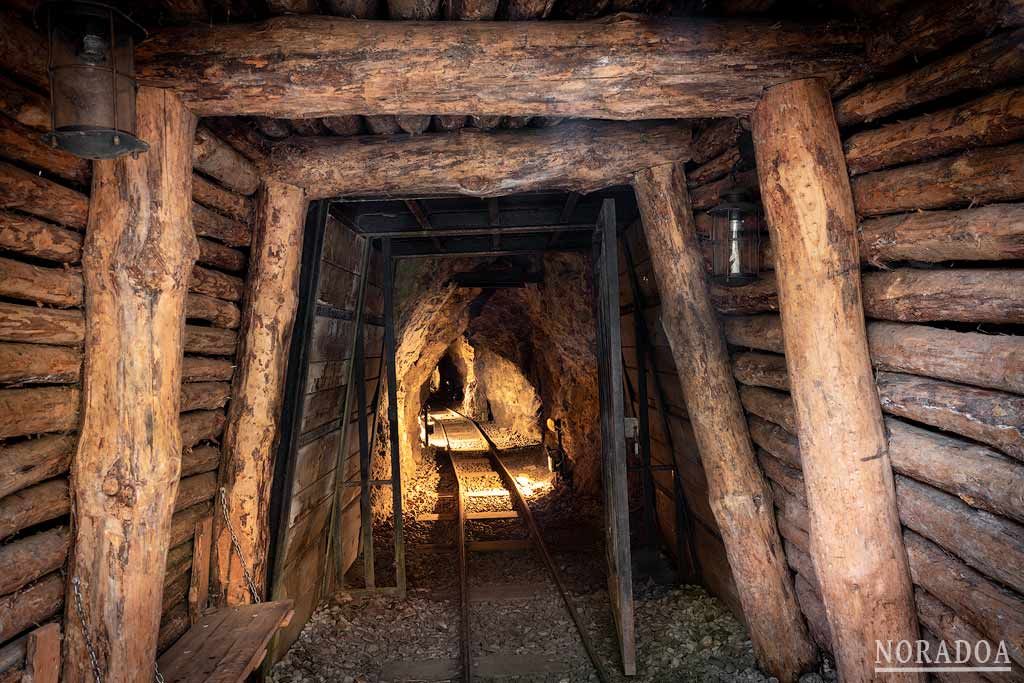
937,172
44,205
313,485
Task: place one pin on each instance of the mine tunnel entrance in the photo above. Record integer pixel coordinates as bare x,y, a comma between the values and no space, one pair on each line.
462,454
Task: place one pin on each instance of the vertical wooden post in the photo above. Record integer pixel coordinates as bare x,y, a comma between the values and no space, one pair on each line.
199,583
390,354
737,492
855,532
42,655
137,260
250,435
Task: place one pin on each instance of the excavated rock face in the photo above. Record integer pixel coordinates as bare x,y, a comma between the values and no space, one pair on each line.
523,354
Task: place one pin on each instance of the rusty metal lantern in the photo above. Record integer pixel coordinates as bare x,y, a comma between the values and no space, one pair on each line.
735,240
92,79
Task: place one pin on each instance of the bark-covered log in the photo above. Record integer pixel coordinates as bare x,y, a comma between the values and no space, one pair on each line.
736,487
216,284
449,123
39,363
914,295
857,549
173,593
199,460
34,605
25,106
23,52
983,66
210,341
201,425
183,524
21,143
269,311
195,489
33,505
139,253
26,559
223,201
994,418
197,369
173,625
989,543
581,156
921,30
993,610
414,9
937,618
707,196
220,161
979,176
33,237
216,311
995,119
26,463
761,370
413,125
33,194
980,476
57,286
716,138
383,125
37,410
814,611
329,66
220,256
787,477
204,395
987,233
760,296
984,360
209,223
721,165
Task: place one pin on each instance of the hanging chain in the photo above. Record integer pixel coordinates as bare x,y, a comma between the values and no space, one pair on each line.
77,590
238,548
157,676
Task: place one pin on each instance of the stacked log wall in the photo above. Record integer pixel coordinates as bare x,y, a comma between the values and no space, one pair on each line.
936,161
307,555
44,204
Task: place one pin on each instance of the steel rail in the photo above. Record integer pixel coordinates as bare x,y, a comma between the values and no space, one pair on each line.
531,523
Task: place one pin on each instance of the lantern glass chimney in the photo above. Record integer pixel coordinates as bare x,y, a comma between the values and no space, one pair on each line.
92,79
735,240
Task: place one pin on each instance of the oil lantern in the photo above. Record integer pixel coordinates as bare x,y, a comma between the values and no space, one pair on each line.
735,240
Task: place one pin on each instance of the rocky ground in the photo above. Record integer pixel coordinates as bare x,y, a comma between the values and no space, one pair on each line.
682,633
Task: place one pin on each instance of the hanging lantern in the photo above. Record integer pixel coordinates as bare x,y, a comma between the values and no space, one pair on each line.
735,240
92,79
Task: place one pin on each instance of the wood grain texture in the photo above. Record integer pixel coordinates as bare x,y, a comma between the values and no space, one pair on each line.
579,156
664,67
267,316
736,490
855,534
219,160
138,255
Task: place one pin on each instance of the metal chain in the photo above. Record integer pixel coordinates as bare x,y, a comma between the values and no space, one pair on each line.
237,547
76,589
157,676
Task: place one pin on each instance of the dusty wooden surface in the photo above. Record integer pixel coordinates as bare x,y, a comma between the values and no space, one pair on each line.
574,156
305,66
855,534
736,490
249,437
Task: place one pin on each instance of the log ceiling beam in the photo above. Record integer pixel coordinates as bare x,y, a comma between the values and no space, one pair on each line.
581,156
623,67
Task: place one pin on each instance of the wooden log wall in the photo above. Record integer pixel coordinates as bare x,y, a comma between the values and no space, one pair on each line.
305,562
44,204
936,158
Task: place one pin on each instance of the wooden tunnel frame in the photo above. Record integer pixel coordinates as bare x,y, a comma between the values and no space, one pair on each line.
736,488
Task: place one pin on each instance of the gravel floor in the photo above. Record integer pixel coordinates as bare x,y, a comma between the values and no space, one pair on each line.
682,633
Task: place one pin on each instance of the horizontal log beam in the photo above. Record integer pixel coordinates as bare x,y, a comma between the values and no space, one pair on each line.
314,66
580,156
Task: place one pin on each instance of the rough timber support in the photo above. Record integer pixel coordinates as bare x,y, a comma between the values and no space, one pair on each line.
251,431
737,491
137,261
856,544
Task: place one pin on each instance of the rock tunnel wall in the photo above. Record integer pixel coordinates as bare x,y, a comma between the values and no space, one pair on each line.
44,206
936,162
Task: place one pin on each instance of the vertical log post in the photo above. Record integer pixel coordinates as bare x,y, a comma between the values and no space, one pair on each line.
137,260
737,492
251,430
856,545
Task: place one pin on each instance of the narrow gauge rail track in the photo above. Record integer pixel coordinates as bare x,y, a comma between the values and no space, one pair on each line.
497,466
